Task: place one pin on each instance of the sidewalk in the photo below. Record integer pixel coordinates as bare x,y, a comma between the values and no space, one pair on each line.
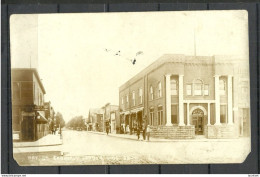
48,140
134,137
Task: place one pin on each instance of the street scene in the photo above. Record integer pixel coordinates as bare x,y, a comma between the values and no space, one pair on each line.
106,93
114,150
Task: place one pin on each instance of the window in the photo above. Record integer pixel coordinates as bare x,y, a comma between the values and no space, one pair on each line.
223,114
133,98
140,96
173,87
27,90
151,92
198,86
16,91
160,115
188,89
151,117
126,100
222,87
159,90
174,114
206,89
122,100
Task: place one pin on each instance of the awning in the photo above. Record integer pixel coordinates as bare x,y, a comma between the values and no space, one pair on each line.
137,110
40,118
125,112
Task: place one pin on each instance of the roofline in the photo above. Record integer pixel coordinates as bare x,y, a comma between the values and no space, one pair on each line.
36,74
164,59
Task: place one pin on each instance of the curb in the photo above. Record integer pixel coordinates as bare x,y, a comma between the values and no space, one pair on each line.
172,140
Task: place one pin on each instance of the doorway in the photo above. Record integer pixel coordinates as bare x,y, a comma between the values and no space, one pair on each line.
198,121
28,128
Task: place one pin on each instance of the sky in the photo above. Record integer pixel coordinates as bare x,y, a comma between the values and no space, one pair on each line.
78,73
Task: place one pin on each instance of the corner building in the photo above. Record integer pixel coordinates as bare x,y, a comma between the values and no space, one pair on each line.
181,97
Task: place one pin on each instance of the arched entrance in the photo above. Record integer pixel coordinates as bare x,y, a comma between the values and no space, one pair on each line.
198,121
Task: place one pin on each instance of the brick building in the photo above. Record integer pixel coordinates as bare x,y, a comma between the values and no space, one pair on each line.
28,112
186,96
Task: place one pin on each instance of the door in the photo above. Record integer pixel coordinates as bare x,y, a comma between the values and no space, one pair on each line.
198,121
27,128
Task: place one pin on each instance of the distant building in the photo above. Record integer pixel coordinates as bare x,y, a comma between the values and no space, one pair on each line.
96,119
28,113
112,117
50,115
181,97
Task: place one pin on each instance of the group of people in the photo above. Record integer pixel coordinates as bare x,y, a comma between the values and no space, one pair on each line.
145,132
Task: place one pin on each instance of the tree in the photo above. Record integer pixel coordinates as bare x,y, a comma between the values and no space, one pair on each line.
59,120
76,122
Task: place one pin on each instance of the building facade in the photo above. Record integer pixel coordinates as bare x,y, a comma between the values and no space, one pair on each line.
111,116
28,112
186,96
96,119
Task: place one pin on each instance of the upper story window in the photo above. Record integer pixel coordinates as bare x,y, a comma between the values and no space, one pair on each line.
133,98
206,89
222,87
198,87
122,100
159,90
174,90
127,99
151,92
188,89
140,95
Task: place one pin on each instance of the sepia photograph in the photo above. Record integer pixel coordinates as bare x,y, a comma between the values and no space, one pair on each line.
130,88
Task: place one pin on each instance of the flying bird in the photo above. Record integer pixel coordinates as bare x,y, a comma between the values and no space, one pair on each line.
107,50
139,53
133,61
118,53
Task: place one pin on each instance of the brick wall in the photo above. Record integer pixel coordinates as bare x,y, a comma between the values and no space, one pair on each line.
173,132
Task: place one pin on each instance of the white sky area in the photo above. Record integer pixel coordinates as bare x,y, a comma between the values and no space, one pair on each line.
77,72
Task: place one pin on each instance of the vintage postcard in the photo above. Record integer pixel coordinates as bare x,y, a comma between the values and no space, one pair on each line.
130,88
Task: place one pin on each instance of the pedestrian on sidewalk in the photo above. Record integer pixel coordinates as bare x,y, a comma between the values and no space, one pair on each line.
138,132
148,132
107,128
144,132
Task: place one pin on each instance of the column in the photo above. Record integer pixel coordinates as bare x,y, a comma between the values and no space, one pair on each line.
168,100
217,102
181,117
188,113
230,100
208,113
